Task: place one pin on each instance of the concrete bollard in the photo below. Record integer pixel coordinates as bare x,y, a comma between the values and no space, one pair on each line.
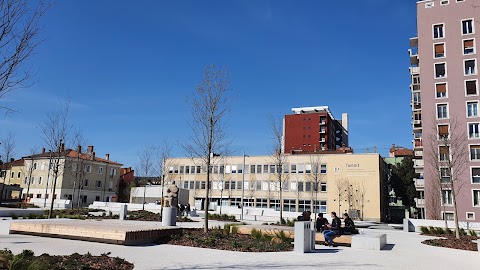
169,217
123,212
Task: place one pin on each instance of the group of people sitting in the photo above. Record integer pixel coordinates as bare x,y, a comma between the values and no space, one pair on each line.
330,230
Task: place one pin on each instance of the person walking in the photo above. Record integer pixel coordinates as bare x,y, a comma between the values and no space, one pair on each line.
333,229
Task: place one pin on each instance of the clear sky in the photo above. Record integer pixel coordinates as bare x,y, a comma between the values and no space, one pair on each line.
128,67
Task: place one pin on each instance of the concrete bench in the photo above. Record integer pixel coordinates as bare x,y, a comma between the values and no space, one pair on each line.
369,241
345,240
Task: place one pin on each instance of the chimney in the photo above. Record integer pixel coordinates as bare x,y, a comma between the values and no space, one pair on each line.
43,150
107,156
79,149
62,147
90,149
93,155
12,159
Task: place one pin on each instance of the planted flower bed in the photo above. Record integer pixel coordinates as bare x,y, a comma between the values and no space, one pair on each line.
28,260
448,239
222,217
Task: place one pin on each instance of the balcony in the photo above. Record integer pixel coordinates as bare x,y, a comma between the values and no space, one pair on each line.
418,163
419,183
416,105
322,130
420,203
414,70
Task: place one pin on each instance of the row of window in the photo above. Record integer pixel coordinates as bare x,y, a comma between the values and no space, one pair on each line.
289,205
470,68
468,47
475,175
88,169
86,182
441,91
254,169
467,26
257,185
472,110
447,197
444,155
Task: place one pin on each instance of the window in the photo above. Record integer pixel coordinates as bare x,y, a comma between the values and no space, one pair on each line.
252,169
83,199
300,187
261,203
467,27
308,186
182,169
442,131
323,187
97,198
445,175
88,168
239,185
323,169
301,168
443,2
442,111
240,168
35,166
471,87
113,172
100,170
99,184
475,152
258,185
470,216
448,216
438,31
441,90
446,197
39,196
19,174
32,180
203,184
476,175
293,168
468,46
199,169
289,205
476,197
473,131
40,180
440,70
272,169
26,181
443,153
308,168
234,168
275,204
304,205
85,182
470,67
439,50
265,169
233,185
12,175
192,184
472,109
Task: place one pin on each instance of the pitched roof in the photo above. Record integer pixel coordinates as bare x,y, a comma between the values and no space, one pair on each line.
73,154
18,162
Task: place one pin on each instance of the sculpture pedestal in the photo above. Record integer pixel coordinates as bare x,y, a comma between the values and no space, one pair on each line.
169,216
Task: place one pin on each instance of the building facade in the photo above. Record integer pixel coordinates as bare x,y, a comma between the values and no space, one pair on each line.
341,183
82,176
314,129
445,116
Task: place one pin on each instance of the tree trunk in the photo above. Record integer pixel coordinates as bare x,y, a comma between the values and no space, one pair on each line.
205,229
455,213
281,199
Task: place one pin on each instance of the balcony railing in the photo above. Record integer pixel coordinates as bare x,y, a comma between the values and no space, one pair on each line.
420,202
419,182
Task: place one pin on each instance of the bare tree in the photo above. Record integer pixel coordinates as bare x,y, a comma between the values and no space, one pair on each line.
165,162
19,39
147,166
340,186
7,145
315,177
278,158
448,159
77,167
210,105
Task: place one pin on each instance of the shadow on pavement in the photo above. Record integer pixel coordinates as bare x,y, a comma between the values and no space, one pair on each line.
388,247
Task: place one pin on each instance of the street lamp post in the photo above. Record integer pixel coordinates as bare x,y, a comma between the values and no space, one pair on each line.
144,189
48,179
243,184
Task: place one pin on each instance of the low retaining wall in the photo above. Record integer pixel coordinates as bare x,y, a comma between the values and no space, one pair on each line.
413,225
8,212
114,207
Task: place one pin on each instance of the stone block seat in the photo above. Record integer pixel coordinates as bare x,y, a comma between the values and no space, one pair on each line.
370,241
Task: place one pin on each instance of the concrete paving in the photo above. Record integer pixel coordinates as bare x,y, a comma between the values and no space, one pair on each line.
404,251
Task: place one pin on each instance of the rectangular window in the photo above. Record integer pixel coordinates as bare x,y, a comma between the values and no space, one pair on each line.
259,185
289,205
185,183
192,169
259,169
476,197
265,169
234,168
439,50
88,168
467,27
323,168
99,184
476,175
448,216
300,168
252,169
442,111
470,67
40,180
323,187
300,186
272,169
473,131
443,2
445,175
438,31
446,197
442,131
468,46
471,87
182,169
32,180
113,172
475,152
440,70
441,90
85,183
19,175
293,168
470,216
198,170
240,168
100,170
192,184
308,168
443,153
304,205
472,109
187,169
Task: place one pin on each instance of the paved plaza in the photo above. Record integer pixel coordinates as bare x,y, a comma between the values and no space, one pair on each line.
404,251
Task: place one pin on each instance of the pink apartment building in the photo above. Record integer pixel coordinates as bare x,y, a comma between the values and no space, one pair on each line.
445,97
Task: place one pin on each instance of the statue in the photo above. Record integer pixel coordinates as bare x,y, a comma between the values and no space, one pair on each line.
171,199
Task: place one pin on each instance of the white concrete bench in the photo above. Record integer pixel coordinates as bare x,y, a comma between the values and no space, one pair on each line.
369,241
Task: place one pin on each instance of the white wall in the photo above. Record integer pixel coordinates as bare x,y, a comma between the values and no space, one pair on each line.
153,193
441,223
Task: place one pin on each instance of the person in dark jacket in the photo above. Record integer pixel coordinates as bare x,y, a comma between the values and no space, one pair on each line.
333,229
349,225
321,223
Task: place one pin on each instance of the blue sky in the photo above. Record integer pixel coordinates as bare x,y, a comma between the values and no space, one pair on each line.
129,66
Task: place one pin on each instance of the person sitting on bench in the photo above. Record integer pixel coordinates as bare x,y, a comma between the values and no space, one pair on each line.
349,225
321,223
334,229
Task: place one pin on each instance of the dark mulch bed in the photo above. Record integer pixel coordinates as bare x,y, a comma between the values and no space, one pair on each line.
220,239
449,241
27,260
